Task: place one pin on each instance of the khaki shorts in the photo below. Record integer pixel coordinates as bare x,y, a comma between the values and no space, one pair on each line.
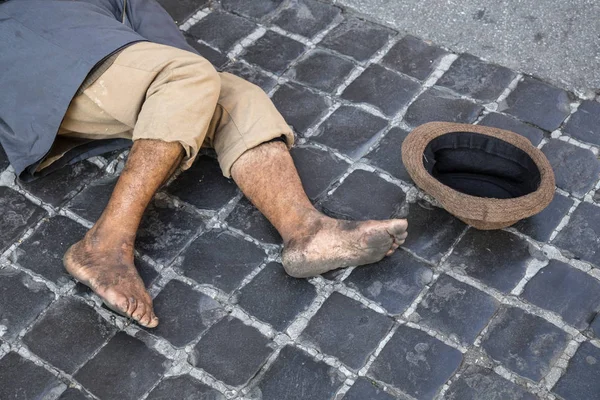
152,91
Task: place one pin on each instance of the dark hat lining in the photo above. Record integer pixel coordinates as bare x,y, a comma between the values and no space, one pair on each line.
481,165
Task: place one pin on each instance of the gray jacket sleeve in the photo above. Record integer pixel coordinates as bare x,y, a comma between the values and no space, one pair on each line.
152,22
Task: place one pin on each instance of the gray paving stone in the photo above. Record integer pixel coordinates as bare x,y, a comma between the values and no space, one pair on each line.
322,70
4,163
146,271
222,30
220,259
524,343
274,52
595,325
415,363
354,198
581,236
432,231
387,90
414,57
317,169
180,10
473,77
92,200
350,130
23,380
253,9
103,375
357,38
387,155
203,185
300,107
33,297
296,376
439,105
216,58
585,123
497,258
43,251
456,309
394,282
365,389
306,17
541,226
581,379
165,230
347,330
476,382
253,75
248,219
184,387
184,313
567,291
287,296
72,394
535,135
68,334
231,351
17,214
538,103
576,170
596,196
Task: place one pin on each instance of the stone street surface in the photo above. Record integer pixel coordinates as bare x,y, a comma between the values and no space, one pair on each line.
556,40
456,314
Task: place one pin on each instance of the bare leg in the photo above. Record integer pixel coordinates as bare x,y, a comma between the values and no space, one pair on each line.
103,260
314,243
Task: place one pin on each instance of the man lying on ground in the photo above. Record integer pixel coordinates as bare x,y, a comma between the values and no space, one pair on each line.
80,78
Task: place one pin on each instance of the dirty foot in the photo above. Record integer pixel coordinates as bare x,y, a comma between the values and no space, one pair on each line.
330,244
111,274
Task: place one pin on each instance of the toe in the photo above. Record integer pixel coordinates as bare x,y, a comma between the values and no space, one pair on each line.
153,321
147,317
145,320
398,227
132,306
401,237
393,249
139,312
121,305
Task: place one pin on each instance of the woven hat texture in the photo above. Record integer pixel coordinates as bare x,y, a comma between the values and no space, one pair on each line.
480,212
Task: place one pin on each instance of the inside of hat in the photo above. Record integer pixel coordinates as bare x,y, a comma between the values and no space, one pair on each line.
481,165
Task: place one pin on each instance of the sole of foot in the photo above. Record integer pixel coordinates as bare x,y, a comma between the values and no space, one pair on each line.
334,244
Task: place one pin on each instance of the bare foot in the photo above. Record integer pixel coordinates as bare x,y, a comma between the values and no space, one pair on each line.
330,244
110,272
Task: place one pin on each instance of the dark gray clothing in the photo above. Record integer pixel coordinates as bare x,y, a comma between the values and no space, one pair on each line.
47,48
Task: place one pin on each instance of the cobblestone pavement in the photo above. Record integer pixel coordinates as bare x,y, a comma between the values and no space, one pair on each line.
457,314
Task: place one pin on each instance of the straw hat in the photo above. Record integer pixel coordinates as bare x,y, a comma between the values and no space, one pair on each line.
487,177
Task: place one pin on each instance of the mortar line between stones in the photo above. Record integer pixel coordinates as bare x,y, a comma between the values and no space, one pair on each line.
512,301
554,253
62,376
194,19
564,221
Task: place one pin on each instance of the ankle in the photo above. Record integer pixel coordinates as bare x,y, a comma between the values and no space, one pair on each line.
102,238
307,224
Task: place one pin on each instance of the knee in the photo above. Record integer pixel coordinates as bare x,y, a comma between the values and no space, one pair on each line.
209,77
202,76
239,91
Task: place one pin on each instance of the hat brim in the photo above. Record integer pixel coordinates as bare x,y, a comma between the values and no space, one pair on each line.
480,212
